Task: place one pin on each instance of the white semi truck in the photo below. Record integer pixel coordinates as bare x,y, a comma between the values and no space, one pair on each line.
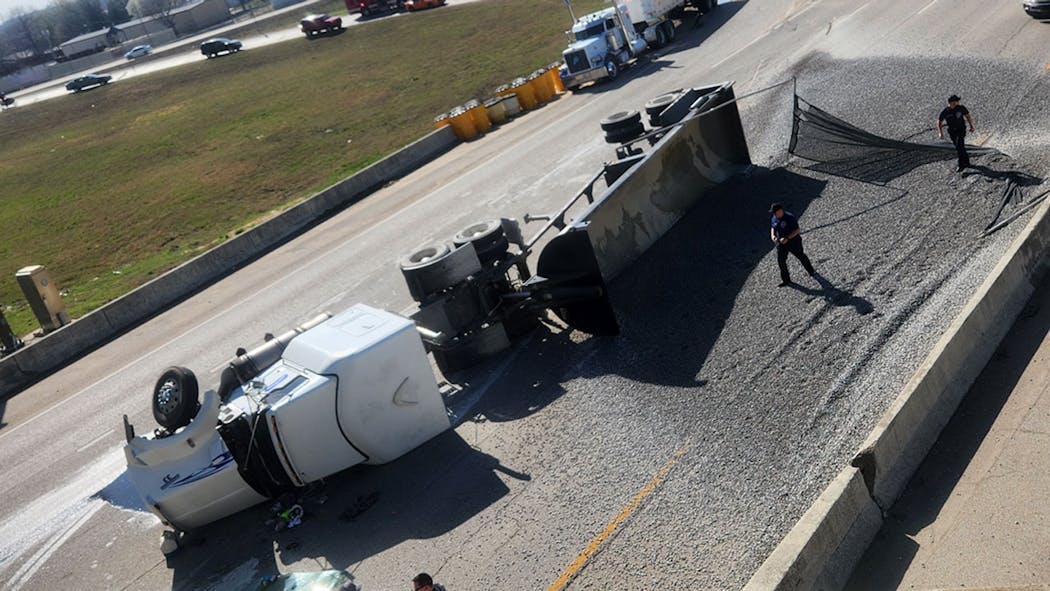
602,43
358,387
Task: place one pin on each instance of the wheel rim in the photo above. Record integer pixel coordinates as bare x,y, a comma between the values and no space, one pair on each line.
476,230
168,397
424,255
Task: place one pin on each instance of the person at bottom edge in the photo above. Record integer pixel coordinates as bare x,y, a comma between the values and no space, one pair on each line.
423,582
785,232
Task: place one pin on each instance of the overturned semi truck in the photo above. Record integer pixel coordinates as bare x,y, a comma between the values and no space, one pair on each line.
358,387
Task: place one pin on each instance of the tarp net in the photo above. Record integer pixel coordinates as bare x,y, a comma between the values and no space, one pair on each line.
842,149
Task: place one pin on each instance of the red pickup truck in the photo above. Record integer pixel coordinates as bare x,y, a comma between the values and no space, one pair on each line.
316,24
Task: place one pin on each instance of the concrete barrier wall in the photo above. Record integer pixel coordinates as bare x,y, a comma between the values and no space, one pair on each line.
53,351
822,549
837,522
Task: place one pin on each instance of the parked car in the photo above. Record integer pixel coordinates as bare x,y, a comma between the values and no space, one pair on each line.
138,51
370,7
213,47
413,5
1037,8
91,80
316,24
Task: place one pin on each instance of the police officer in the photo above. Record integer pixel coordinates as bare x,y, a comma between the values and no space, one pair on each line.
956,116
785,233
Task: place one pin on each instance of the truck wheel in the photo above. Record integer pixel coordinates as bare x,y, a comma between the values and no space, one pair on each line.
424,271
487,237
175,398
622,135
655,106
612,69
482,234
661,36
671,31
621,120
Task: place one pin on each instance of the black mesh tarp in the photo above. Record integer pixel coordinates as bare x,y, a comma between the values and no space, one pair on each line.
842,149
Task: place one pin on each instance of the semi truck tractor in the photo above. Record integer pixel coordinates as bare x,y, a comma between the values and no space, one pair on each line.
602,43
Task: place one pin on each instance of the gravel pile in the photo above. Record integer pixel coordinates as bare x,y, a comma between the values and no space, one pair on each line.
768,391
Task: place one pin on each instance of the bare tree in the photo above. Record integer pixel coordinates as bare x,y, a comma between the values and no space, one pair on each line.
160,9
27,30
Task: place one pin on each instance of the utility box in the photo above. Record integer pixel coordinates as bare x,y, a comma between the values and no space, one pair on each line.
9,343
43,297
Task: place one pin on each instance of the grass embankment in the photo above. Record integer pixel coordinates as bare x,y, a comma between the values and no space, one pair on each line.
113,186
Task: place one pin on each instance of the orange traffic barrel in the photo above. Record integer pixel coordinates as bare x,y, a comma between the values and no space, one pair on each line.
462,123
479,115
544,75
496,110
554,72
441,120
539,83
525,93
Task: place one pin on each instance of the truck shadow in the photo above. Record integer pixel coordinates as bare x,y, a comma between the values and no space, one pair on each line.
354,515
679,293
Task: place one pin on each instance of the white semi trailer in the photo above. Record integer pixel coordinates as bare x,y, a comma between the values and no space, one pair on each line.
602,43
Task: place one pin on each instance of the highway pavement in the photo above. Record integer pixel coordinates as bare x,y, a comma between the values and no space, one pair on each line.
677,454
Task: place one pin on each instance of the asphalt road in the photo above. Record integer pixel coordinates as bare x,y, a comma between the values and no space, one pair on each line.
187,50
677,454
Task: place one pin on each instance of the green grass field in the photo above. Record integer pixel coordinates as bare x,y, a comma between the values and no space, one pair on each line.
110,187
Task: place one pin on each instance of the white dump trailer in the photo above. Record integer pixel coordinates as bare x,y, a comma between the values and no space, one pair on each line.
358,387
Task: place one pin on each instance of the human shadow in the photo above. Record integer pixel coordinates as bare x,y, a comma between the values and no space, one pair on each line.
351,516
894,548
836,296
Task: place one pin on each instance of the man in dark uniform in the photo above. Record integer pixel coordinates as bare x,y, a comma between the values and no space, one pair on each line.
786,234
956,117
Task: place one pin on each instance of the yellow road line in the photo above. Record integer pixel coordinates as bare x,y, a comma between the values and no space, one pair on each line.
569,573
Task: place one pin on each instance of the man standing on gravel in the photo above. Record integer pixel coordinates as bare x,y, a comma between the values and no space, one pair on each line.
956,116
786,234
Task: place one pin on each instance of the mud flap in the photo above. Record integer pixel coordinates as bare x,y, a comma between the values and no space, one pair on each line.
567,263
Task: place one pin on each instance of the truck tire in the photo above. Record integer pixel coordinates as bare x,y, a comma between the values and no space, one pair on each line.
661,36
423,272
488,239
656,105
621,120
671,31
623,135
612,69
482,234
175,398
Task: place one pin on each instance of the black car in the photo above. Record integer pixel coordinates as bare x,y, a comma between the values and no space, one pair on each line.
1037,8
78,84
213,47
